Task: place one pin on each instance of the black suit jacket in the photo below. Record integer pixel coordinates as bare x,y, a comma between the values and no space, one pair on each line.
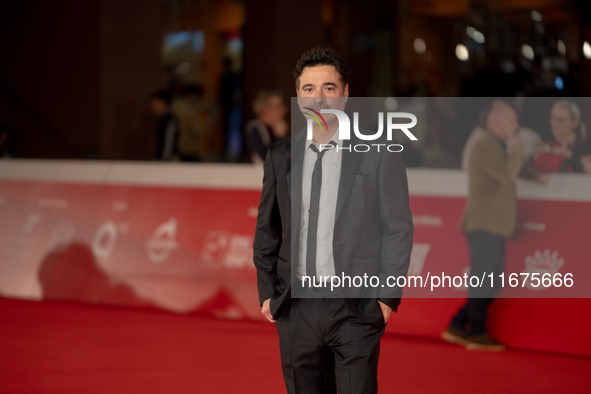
373,224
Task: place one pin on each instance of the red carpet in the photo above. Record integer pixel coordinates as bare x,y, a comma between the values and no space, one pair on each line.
48,347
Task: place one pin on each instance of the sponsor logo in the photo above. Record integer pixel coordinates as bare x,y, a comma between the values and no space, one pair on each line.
535,226
427,221
119,206
252,212
30,223
418,257
228,250
61,235
53,203
104,240
24,240
162,243
542,263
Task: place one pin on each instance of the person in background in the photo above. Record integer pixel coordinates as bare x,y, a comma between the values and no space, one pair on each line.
195,122
168,128
268,127
529,143
571,149
493,157
230,97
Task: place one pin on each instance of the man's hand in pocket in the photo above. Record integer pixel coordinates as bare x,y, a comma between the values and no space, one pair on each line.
266,310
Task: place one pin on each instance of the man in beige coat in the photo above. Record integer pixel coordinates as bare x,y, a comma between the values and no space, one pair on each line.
493,157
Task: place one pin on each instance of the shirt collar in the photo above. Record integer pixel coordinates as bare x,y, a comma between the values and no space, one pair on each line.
334,138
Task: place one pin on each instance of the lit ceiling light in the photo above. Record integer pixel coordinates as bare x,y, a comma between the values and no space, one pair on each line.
508,66
587,50
536,16
475,34
527,52
462,52
478,37
561,47
559,83
391,104
420,46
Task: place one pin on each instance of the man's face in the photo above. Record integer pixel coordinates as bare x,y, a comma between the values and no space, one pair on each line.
321,87
503,122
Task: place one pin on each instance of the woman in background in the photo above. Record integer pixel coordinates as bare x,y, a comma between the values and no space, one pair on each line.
268,127
571,149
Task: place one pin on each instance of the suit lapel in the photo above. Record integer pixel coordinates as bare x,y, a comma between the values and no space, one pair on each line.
295,157
294,182
349,165
288,155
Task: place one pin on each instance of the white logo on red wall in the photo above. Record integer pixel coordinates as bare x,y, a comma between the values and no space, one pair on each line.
53,203
215,246
418,257
61,235
104,240
30,223
229,250
119,206
542,263
427,221
24,239
534,226
252,212
163,242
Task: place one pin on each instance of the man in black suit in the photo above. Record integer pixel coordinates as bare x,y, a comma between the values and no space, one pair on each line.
330,212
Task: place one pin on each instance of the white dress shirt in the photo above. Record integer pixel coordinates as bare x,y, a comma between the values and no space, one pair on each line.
331,173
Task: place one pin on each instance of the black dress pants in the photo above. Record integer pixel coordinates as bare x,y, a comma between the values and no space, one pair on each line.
487,255
324,346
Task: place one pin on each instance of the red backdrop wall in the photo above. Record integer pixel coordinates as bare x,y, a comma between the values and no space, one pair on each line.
180,238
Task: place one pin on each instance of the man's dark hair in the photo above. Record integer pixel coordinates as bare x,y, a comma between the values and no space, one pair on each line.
489,107
321,57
